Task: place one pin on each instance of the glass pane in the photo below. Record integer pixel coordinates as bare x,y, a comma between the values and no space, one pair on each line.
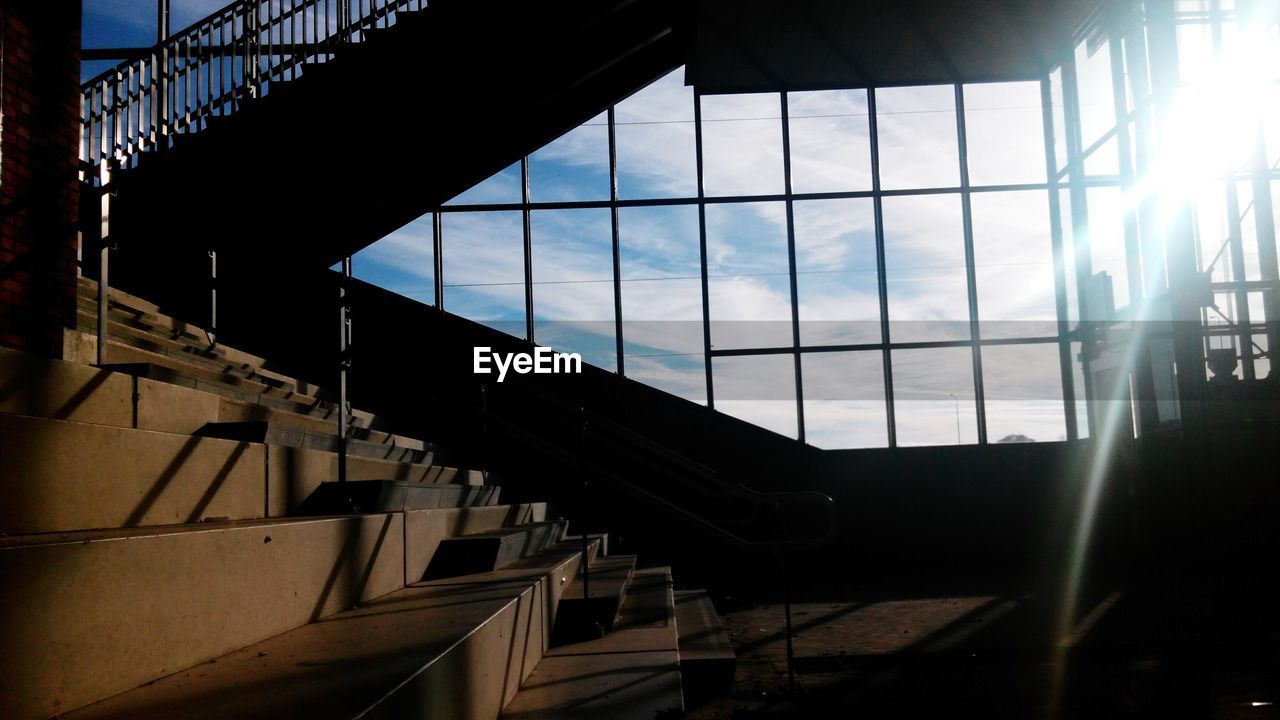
836,272
844,400
1013,256
1004,133
830,141
759,389
933,397
574,166
503,187
1059,120
1023,389
662,298
402,262
748,275
483,256
1106,241
925,268
917,137
1212,233
655,141
1271,124
1070,259
573,283
1104,160
1093,83
742,144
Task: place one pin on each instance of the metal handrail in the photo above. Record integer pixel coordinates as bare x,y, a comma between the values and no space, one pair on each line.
212,68
762,500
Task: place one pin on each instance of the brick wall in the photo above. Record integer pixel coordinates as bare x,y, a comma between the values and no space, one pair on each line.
39,141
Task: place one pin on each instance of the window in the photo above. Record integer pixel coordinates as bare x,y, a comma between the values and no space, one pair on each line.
917,137
742,144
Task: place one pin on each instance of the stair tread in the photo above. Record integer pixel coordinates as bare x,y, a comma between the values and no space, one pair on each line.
702,633
340,666
609,577
633,672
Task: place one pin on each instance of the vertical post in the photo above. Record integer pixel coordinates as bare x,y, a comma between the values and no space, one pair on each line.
344,365
528,249
786,596
617,258
162,20
882,284
785,112
104,257
586,488
971,277
213,298
484,432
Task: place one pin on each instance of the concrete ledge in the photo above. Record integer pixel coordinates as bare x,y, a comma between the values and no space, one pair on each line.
89,615
61,475
447,650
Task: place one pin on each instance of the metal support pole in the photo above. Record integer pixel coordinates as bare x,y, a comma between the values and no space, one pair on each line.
786,596
344,367
104,258
213,299
484,432
162,20
586,489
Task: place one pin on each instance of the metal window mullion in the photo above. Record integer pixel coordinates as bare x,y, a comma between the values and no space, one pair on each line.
528,249
617,255
791,266
1132,250
971,275
437,244
1079,227
702,246
881,279
1066,376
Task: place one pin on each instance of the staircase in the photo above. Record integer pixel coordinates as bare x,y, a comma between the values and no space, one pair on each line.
345,132
172,546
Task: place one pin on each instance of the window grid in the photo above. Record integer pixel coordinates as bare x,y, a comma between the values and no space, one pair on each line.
788,197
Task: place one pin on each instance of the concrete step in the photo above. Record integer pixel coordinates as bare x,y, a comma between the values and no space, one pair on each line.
63,475
446,649
633,672
488,551
586,617
183,352
340,498
394,447
707,661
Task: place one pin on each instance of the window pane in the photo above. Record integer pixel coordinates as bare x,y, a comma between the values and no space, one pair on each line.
662,298
758,389
844,400
402,262
655,141
1082,402
574,166
742,144
925,268
1059,120
483,279
933,397
573,283
1013,254
1023,389
748,275
502,187
1004,133
1093,83
917,137
1106,241
830,141
836,272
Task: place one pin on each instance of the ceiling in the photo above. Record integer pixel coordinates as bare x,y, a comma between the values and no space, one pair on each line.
760,45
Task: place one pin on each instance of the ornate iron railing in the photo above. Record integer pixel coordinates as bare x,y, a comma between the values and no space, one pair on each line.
211,68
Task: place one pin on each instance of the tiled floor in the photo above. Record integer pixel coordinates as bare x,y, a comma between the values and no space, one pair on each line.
990,656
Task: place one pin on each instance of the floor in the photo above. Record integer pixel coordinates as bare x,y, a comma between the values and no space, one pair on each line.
991,656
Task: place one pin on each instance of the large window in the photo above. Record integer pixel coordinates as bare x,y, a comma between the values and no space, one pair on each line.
852,268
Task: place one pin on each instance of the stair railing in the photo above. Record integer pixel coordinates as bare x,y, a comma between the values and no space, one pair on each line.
210,69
